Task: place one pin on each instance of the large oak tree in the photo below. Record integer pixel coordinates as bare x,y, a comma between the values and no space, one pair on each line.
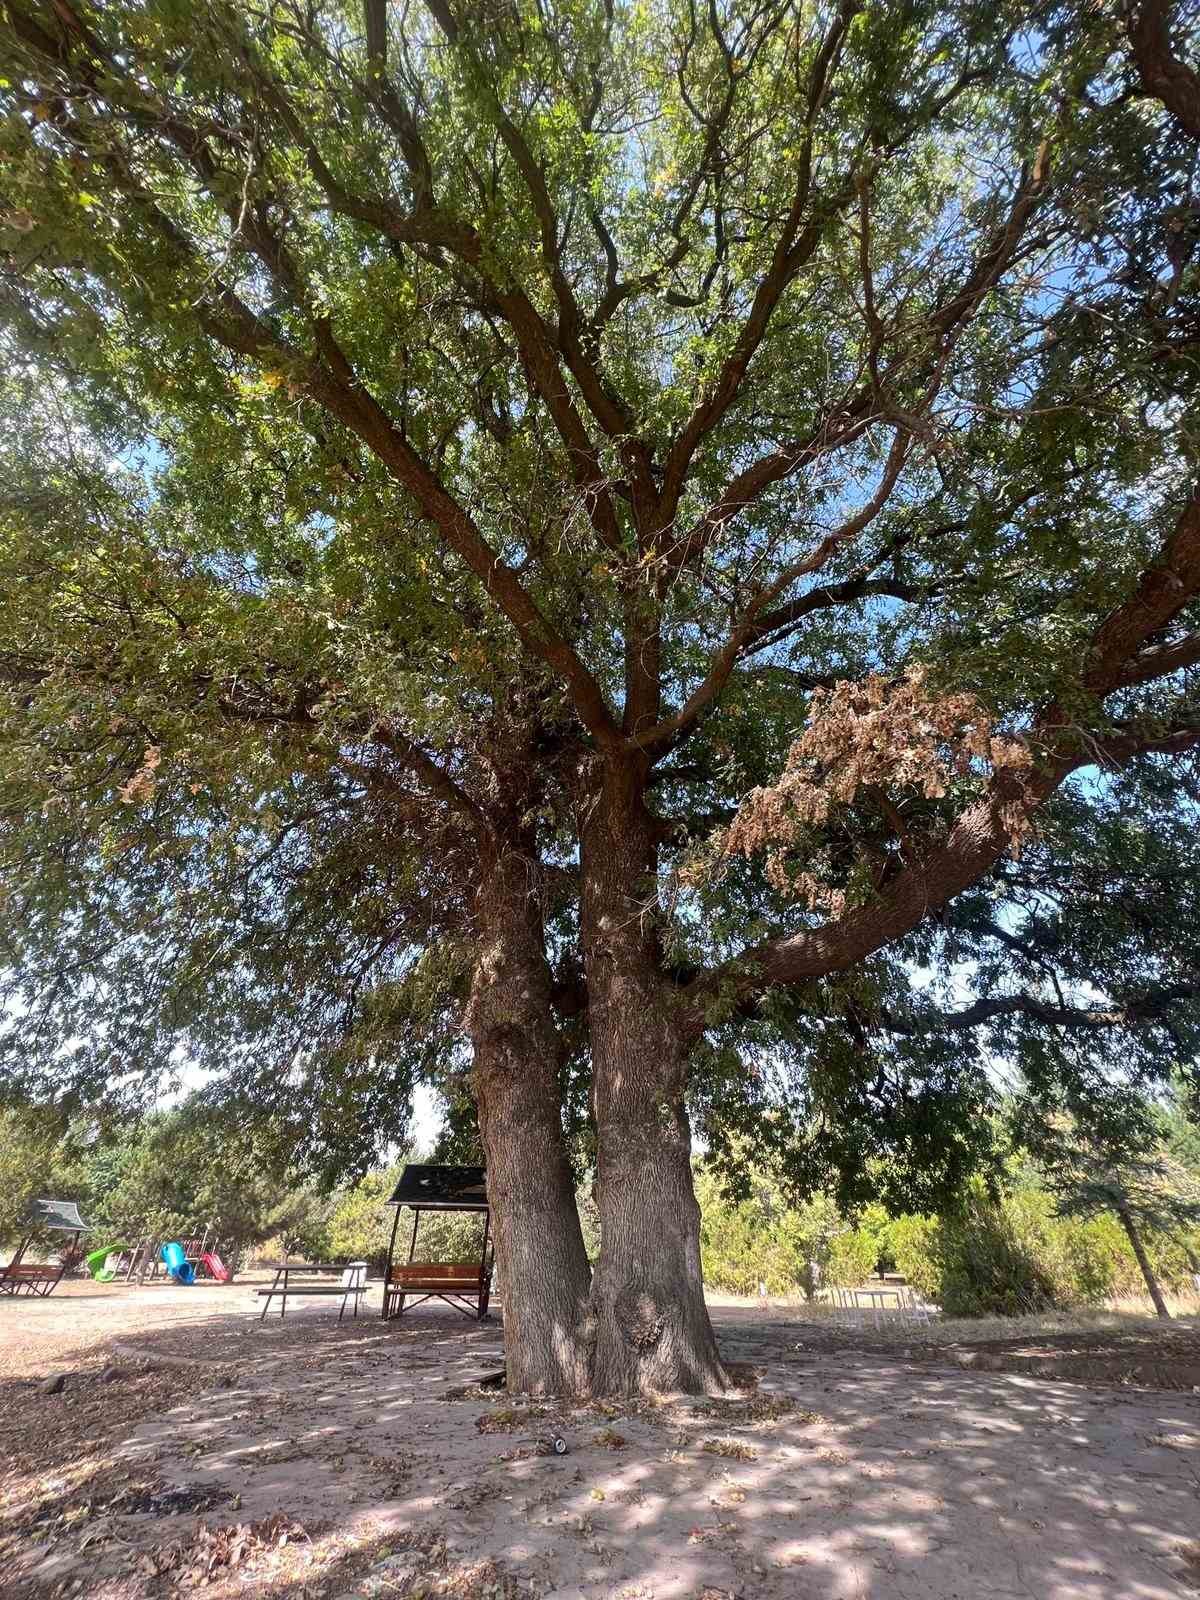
457,451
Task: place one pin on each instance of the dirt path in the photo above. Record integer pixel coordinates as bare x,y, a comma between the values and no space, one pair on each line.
66,1330
850,1472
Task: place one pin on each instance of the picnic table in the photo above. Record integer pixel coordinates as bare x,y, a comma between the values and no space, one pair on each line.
351,1289
853,1306
877,1299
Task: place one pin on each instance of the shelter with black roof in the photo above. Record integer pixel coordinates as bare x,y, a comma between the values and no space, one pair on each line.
465,1285
36,1278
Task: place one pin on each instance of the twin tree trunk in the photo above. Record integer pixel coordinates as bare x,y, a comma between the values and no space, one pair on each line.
651,1326
515,1077
641,1324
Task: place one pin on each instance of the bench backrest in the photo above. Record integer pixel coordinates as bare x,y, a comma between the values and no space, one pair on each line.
439,1272
31,1269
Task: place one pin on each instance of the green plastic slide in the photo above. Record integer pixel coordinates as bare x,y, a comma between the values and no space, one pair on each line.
95,1262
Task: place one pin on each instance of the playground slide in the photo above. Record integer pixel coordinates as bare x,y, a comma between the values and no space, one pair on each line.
177,1264
216,1266
97,1259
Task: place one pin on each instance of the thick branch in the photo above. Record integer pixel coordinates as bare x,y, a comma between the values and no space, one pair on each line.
1139,1012
1163,591
435,778
725,658
1161,661
794,248
1160,70
375,22
986,828
775,626
846,422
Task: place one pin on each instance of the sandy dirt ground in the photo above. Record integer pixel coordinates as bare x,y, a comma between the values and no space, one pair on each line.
192,1449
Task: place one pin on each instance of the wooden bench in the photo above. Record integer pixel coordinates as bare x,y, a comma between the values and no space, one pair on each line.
283,1289
465,1285
30,1277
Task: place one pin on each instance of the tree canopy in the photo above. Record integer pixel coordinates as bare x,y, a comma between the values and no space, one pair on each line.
637,534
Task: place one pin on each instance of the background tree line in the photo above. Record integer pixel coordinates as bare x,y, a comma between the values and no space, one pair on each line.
1029,1240
170,1174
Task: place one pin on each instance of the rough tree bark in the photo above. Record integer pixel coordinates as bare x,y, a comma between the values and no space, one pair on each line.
539,1243
652,1330
1143,1260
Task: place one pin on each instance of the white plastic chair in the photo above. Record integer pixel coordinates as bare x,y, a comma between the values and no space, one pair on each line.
915,1309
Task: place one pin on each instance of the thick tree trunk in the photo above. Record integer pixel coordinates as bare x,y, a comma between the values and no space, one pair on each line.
1143,1261
539,1244
652,1328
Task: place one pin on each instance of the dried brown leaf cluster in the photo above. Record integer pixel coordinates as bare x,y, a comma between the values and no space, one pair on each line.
141,786
878,734
733,1449
204,1556
510,1419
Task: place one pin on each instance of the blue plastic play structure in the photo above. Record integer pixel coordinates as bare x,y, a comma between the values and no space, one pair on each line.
180,1269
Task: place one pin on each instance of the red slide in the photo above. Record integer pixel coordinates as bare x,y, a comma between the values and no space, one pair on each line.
216,1266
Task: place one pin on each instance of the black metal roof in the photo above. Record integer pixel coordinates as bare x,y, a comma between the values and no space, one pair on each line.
441,1188
58,1214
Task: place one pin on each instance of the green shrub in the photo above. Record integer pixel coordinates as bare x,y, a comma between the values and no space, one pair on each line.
738,1250
915,1245
360,1220
1091,1255
360,1225
449,1236
853,1255
193,1167
763,1240
989,1267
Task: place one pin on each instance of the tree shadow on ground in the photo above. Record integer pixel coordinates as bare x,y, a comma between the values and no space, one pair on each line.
1106,1348
846,1474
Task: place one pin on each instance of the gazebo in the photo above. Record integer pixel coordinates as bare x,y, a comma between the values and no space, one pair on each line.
43,1216
465,1285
